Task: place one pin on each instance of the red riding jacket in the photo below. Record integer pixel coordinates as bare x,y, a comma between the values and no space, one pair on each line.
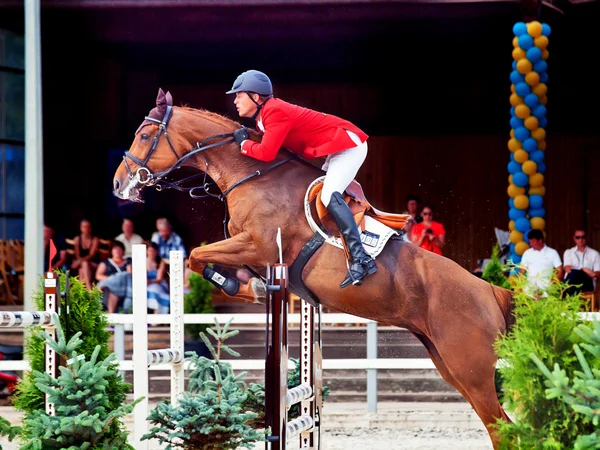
308,133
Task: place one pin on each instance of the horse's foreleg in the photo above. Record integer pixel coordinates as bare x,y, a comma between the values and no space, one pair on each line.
232,252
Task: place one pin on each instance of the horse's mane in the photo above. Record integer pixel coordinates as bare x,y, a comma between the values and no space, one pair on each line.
211,116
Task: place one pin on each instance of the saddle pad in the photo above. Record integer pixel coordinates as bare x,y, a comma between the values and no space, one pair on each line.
374,235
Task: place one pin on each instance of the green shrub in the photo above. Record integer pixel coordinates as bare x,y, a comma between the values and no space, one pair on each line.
198,301
494,271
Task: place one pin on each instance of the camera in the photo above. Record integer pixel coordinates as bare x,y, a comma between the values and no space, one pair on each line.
429,230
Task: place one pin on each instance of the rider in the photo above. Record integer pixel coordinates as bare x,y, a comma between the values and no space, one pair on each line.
311,134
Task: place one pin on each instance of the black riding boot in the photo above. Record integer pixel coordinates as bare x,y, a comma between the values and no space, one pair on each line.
362,264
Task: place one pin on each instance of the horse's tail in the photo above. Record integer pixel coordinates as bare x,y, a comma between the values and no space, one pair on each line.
504,298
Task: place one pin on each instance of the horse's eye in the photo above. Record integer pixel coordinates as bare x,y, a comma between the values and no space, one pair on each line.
145,137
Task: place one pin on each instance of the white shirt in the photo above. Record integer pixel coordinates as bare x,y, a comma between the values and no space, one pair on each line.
539,265
589,258
135,239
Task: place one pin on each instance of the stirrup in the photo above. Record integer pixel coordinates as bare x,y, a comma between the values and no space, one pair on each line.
355,277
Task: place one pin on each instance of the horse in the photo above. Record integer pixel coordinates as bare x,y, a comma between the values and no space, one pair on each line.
456,315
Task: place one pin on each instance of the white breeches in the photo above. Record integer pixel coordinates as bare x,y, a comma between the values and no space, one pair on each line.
342,167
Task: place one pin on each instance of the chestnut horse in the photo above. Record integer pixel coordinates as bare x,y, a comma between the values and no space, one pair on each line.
456,315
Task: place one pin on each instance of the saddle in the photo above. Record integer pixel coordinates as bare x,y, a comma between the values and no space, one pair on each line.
359,206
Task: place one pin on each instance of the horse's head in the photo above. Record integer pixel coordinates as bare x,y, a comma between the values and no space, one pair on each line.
167,139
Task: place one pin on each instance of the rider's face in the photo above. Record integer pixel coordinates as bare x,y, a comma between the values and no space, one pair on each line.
244,104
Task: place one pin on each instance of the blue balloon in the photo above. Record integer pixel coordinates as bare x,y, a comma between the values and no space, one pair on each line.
514,65
521,133
522,224
513,248
538,212
539,112
516,77
515,213
543,122
535,201
512,156
541,167
520,28
511,203
529,145
534,54
515,122
537,156
514,167
525,237
522,89
525,41
512,111
546,30
540,67
520,179
544,77
516,259
532,100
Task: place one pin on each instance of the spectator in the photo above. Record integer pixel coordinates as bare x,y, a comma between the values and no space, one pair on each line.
128,237
86,253
60,259
539,262
413,203
167,239
582,264
114,276
428,234
159,298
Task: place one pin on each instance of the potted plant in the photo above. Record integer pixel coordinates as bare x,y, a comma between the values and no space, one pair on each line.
197,301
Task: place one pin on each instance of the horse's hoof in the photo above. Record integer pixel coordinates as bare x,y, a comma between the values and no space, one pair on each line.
259,289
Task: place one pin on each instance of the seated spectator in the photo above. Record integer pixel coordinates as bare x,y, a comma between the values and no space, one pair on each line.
582,264
159,297
166,239
428,234
539,262
128,237
114,278
59,261
86,253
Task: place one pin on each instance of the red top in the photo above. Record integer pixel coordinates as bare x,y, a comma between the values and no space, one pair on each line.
438,230
308,133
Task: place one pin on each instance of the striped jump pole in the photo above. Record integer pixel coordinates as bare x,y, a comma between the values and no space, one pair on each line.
26,319
278,398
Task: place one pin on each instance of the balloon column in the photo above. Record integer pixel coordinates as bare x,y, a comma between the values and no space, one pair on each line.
528,134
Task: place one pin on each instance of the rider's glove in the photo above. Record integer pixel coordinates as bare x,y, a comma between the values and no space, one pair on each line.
240,135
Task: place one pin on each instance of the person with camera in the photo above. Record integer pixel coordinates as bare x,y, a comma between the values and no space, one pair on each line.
582,264
428,234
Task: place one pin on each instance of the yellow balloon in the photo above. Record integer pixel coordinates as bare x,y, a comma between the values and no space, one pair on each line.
535,180
513,88
515,100
529,167
518,53
511,225
521,202
532,78
545,54
541,42
544,100
537,190
513,191
516,236
515,42
531,123
540,90
521,247
522,111
524,66
514,145
521,156
537,223
510,178
534,29
512,133
542,144
539,134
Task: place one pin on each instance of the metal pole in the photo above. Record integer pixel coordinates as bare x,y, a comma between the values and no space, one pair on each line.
34,177
372,373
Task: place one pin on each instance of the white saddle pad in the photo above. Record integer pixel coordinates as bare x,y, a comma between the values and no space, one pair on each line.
374,236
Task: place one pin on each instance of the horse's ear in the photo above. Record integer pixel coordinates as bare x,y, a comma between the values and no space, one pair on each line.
169,98
160,98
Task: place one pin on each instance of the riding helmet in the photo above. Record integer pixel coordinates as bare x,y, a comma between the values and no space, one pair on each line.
252,81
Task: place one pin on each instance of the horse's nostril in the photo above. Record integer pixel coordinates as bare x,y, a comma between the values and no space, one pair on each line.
116,185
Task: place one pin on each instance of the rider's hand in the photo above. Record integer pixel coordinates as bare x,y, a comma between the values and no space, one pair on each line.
240,135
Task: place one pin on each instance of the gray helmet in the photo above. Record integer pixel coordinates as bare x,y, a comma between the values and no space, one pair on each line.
252,81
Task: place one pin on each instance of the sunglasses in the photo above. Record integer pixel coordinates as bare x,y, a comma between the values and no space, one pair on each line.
580,237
